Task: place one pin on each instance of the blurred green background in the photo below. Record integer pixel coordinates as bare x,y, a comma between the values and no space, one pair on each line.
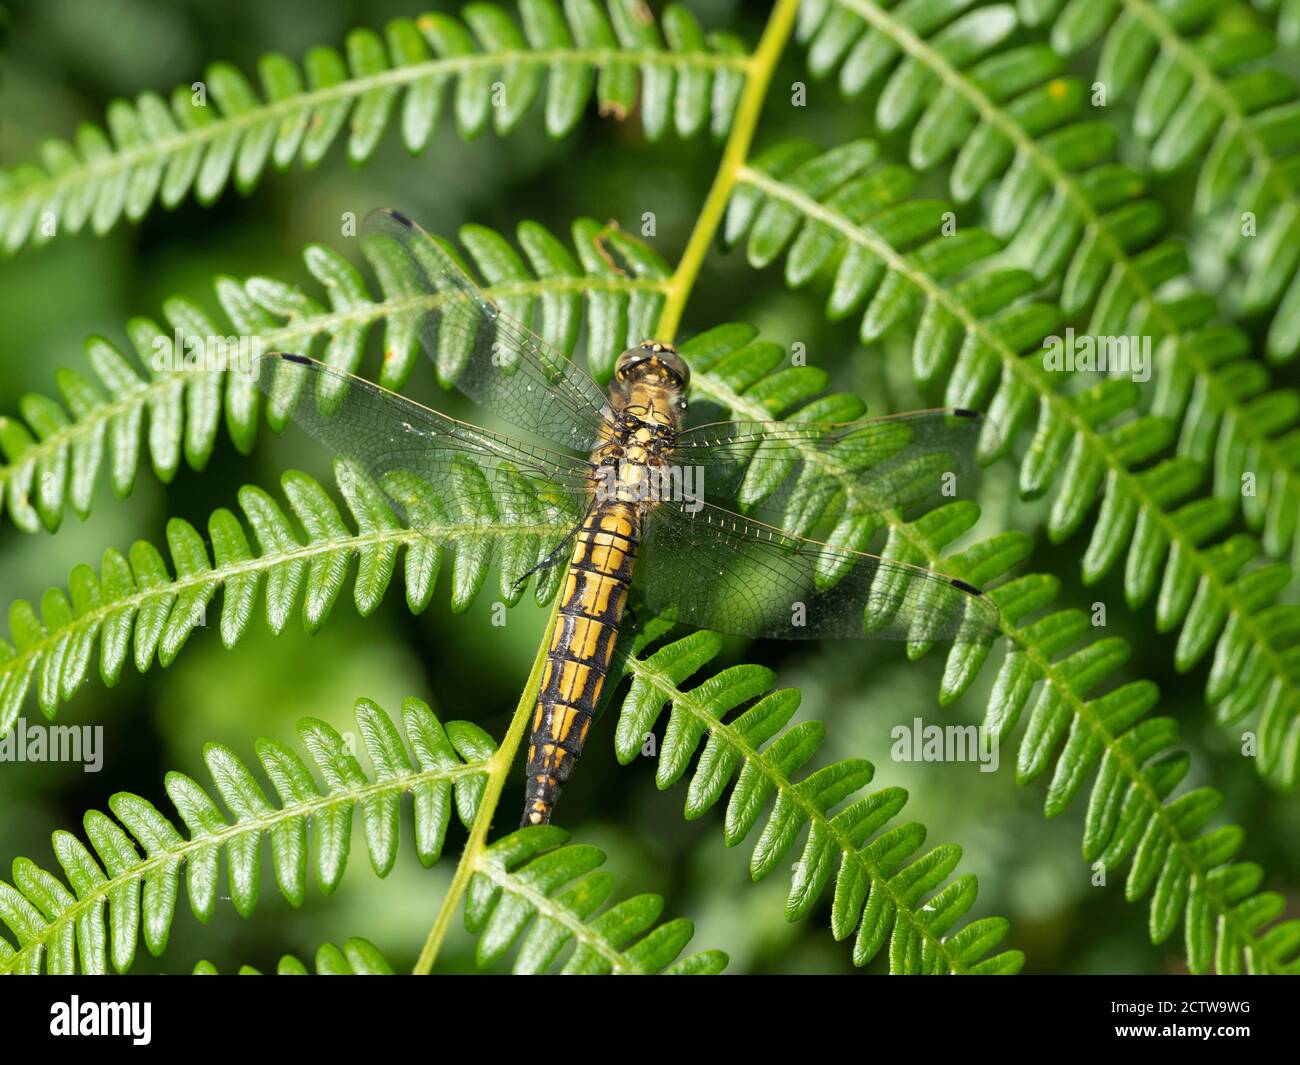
63,61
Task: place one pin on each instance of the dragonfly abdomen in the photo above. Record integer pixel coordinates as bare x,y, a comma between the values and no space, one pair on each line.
591,608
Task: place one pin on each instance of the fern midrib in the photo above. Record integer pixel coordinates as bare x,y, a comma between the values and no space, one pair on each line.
156,152
306,328
1047,669
219,576
264,822
786,788
1048,396
1133,770
549,908
1062,182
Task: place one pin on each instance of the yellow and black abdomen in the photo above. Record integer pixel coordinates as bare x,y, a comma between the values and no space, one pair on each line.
591,607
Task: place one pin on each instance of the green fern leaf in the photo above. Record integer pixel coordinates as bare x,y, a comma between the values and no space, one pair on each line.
978,328
532,892
136,605
495,68
134,872
56,451
1288,20
1068,212
883,889
1210,94
127,887
1055,669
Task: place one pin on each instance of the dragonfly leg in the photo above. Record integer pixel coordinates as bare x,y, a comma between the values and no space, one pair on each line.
560,553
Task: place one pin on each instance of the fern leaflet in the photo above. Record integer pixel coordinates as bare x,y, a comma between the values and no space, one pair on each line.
160,150
136,606
55,451
1054,669
966,86
135,870
884,891
979,329
529,874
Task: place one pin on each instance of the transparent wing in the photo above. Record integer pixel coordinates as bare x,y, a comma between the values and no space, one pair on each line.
806,477
499,363
393,439
719,570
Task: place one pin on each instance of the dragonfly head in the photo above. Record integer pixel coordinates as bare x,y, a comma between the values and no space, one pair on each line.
652,363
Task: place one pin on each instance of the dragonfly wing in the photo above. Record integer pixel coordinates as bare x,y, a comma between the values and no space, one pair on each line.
498,362
411,451
719,570
833,480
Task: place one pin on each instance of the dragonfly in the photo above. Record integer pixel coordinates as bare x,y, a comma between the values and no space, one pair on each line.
747,527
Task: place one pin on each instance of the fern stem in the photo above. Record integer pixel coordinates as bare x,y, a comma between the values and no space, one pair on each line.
499,770
759,69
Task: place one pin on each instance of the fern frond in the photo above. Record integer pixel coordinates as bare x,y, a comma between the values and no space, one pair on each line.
160,150
979,329
137,606
55,451
357,957
966,86
1075,730
528,876
127,887
1211,94
883,890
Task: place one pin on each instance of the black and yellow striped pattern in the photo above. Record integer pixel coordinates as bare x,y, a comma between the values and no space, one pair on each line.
591,607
